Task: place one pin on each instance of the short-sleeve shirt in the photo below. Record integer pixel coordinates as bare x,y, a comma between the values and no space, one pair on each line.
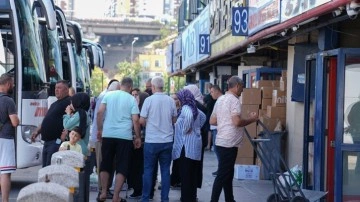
52,125
75,147
120,106
159,110
7,108
228,135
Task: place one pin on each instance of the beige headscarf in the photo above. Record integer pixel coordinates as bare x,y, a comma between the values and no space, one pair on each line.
196,93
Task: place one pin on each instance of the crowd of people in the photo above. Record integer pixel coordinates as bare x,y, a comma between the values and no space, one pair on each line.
135,133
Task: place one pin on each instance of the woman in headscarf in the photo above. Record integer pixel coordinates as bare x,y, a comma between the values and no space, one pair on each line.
204,129
77,115
188,144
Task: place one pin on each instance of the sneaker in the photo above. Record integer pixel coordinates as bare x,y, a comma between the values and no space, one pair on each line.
135,196
215,173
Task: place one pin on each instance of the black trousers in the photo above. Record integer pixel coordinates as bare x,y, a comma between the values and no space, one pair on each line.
189,178
136,170
175,173
224,178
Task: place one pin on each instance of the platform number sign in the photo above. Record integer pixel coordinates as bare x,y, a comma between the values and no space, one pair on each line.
240,19
204,44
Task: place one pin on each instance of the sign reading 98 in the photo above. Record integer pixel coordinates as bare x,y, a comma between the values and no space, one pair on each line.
204,44
240,17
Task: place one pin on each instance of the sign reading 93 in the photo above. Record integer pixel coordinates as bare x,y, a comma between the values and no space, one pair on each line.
240,17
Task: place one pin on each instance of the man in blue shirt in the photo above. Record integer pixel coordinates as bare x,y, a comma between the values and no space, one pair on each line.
115,131
158,114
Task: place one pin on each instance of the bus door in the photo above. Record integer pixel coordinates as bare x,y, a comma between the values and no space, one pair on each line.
337,124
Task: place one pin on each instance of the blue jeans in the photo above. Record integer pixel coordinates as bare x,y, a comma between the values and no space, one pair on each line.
154,153
50,147
213,136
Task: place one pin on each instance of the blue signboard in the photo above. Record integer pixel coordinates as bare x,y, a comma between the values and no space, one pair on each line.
204,44
240,19
190,39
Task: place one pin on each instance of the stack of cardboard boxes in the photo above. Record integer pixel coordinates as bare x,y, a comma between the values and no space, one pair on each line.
268,98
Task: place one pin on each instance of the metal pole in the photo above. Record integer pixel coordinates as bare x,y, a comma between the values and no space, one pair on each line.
132,49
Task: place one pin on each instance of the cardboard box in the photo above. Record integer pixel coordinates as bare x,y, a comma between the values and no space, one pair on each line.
246,109
259,163
246,172
262,112
252,130
266,102
267,83
279,98
270,123
283,84
266,92
276,112
284,74
251,96
245,160
246,150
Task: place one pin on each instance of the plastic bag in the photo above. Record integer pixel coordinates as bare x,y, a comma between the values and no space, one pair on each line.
94,181
296,172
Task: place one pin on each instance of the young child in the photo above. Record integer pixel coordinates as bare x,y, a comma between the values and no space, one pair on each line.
75,136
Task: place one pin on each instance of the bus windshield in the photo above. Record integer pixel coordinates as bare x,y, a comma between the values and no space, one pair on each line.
86,69
55,69
80,76
33,69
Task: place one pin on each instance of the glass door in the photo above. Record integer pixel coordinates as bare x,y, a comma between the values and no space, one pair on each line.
348,140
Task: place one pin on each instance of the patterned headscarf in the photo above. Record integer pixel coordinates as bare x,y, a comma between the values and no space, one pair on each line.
196,93
186,98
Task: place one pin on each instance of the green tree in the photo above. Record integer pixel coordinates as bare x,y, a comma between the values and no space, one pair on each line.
126,69
177,81
98,81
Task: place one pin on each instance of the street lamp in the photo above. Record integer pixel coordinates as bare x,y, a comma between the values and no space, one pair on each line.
132,48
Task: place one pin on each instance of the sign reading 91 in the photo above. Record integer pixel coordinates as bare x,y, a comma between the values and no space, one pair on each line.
240,17
204,44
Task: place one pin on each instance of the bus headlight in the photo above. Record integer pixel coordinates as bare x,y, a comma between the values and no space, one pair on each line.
26,132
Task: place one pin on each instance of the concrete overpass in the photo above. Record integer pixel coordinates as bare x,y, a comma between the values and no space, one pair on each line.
116,36
146,31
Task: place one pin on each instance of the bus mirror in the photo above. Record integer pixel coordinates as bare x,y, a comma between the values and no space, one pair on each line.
49,12
95,53
75,31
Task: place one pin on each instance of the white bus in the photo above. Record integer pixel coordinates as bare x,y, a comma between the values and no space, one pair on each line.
21,54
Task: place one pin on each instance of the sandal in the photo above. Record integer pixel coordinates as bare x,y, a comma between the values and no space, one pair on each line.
100,199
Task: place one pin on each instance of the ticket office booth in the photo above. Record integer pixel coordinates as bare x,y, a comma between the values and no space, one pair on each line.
336,125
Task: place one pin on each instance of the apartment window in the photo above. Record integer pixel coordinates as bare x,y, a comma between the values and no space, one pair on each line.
157,63
146,64
158,74
145,76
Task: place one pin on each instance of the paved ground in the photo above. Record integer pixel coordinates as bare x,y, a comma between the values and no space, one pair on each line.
244,190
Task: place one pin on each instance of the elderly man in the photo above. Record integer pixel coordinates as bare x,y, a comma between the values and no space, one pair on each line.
52,129
230,126
159,114
122,115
